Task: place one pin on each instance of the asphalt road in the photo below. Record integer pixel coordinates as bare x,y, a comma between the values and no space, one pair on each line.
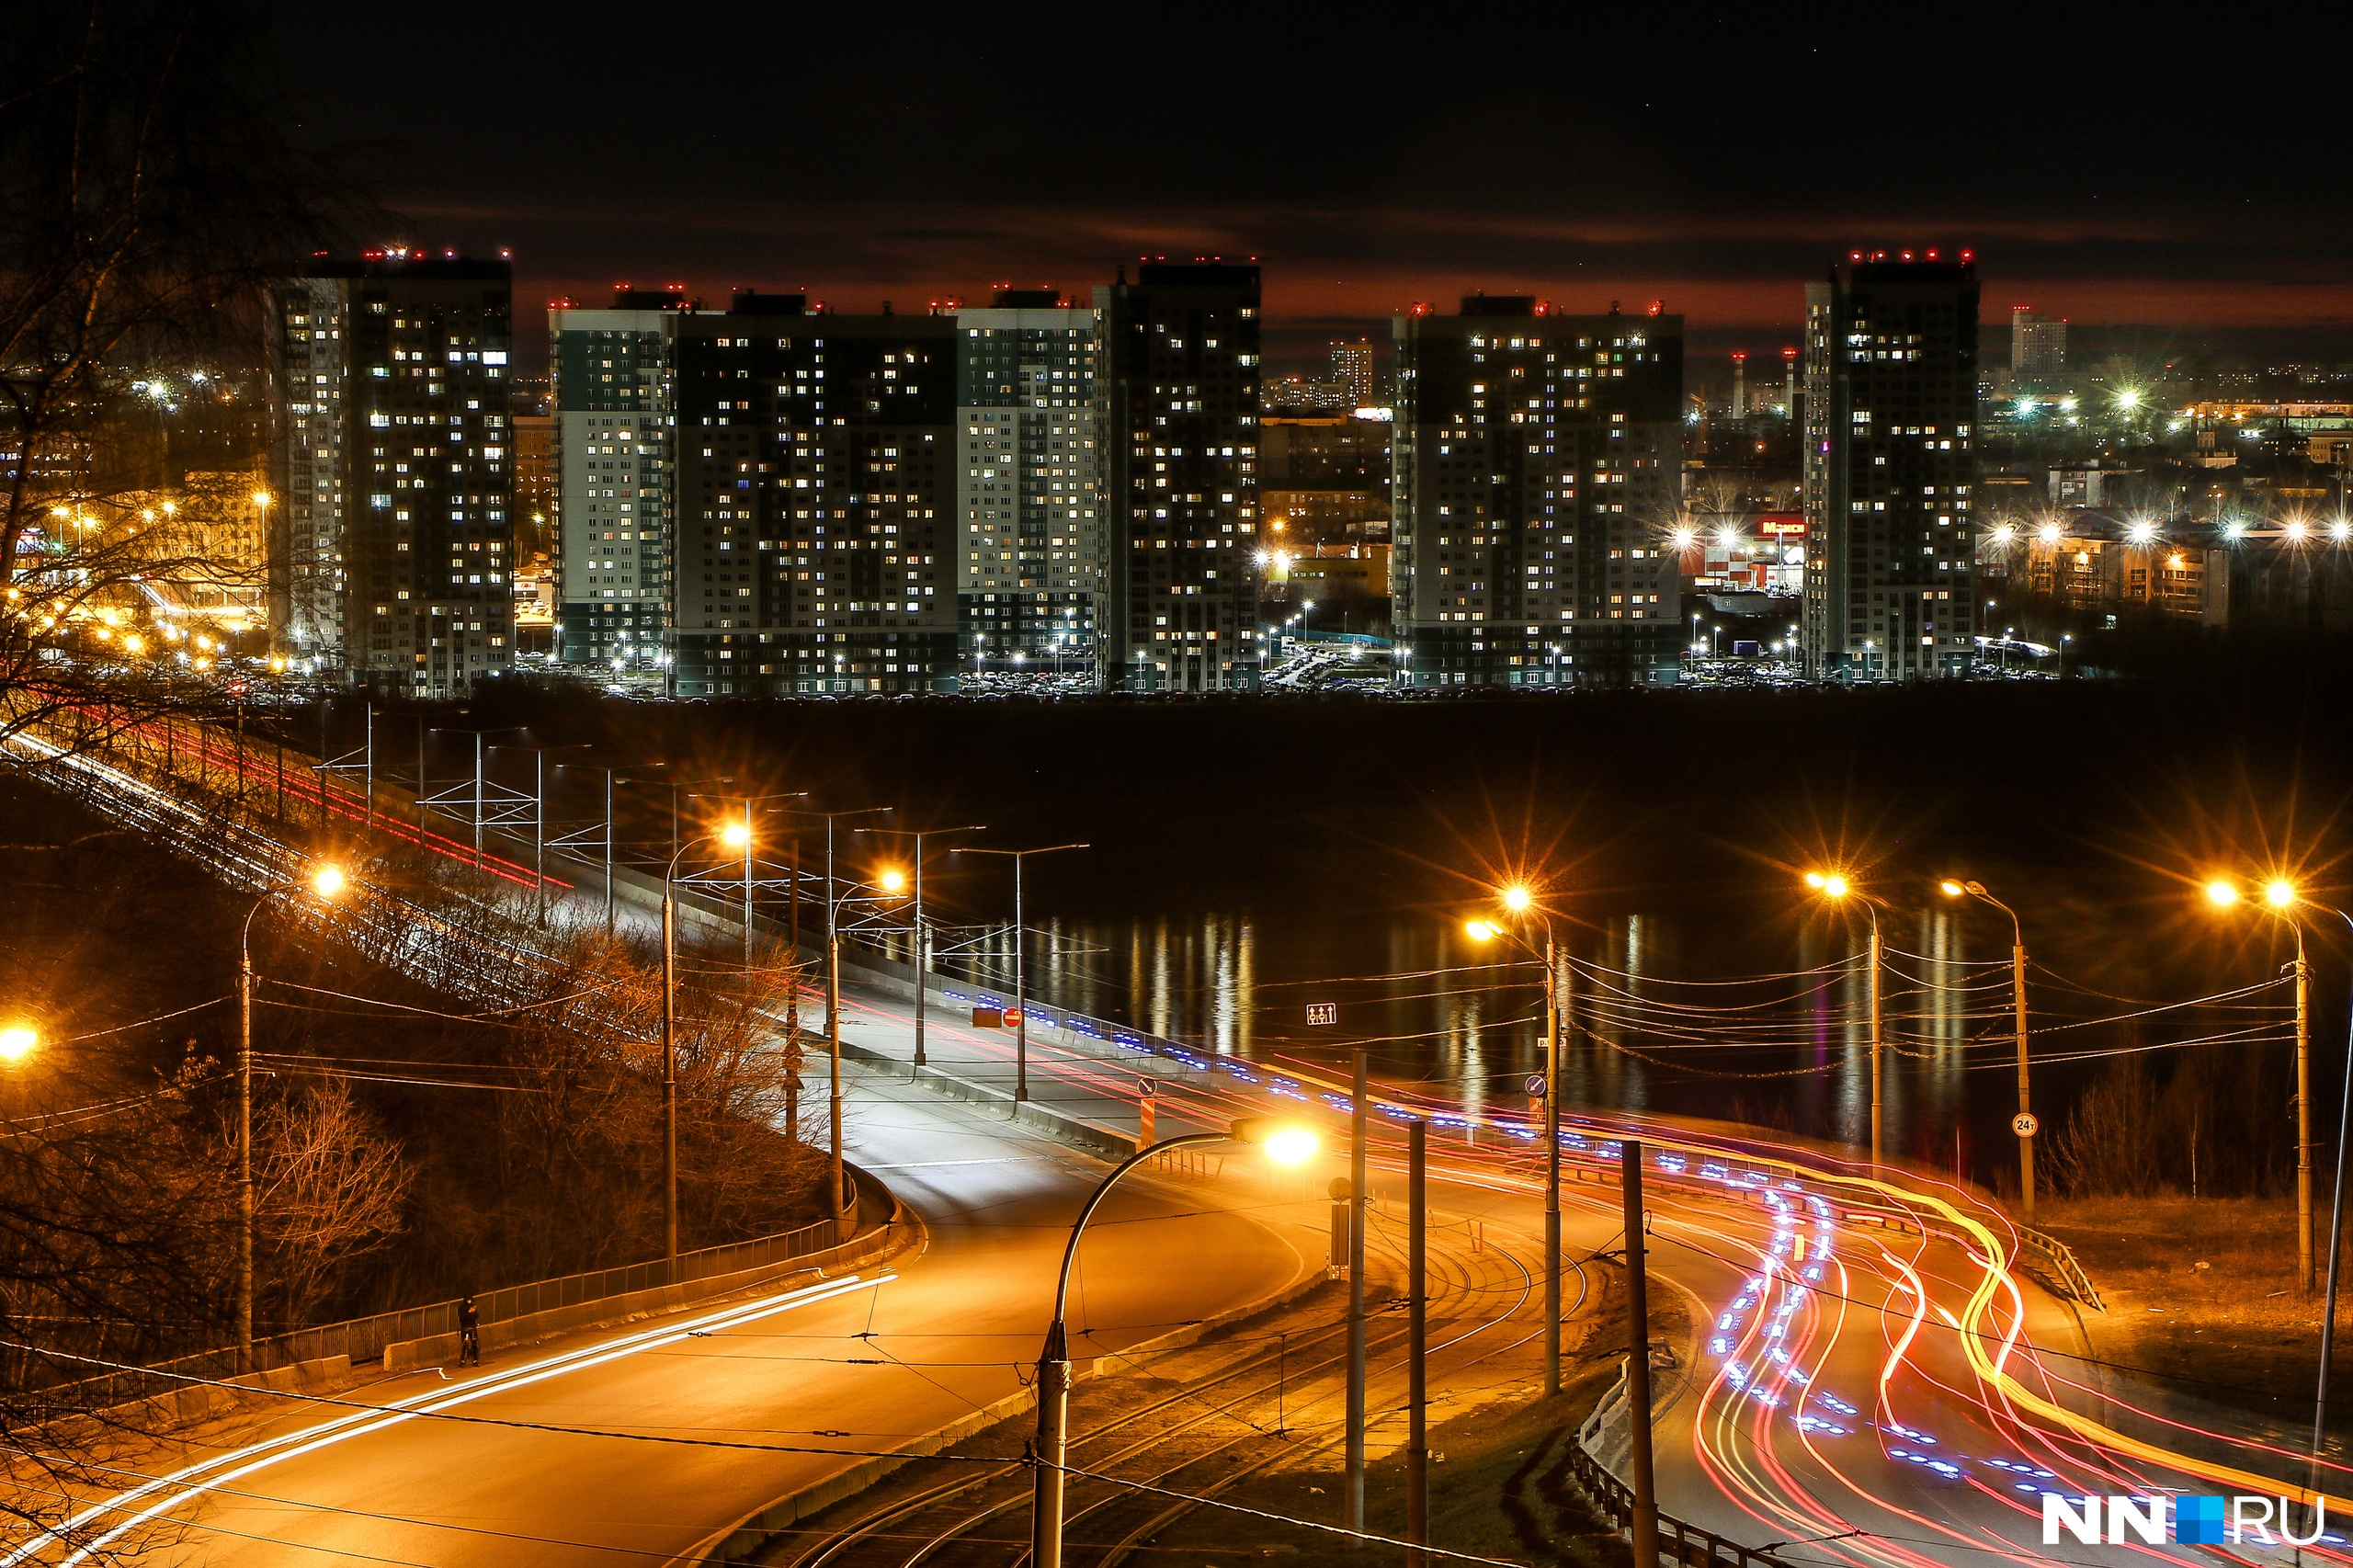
911,1347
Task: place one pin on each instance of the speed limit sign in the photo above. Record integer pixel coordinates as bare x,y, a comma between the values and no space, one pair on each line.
2024,1124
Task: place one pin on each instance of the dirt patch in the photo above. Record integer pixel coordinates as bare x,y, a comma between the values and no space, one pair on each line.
2201,1296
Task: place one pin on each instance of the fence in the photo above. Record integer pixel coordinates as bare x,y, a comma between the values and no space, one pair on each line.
1677,1542
363,1339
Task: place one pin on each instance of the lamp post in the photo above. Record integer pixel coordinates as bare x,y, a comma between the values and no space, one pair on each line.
735,835
923,940
327,881
1519,899
1837,889
1020,993
2024,1126
1286,1145
834,1002
2282,899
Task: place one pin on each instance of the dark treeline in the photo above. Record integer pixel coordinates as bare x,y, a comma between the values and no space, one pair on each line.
402,1155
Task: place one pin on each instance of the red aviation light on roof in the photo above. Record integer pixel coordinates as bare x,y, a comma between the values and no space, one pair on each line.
1740,356
1969,256
1658,307
1932,256
675,288
1788,353
1543,307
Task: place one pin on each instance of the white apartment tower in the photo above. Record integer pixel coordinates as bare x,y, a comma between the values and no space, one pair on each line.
615,426
1031,558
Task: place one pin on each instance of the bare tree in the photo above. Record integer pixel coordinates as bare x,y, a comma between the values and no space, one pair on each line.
146,187
331,1188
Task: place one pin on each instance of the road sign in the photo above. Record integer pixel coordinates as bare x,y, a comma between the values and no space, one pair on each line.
1323,1011
1146,1088
988,1018
1534,1085
1013,1017
2024,1124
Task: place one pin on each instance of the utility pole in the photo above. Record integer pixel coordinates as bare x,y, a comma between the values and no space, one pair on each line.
1878,1099
922,934
2303,1115
1417,1437
1358,1214
245,1150
1020,975
1644,1525
1552,1164
2026,1102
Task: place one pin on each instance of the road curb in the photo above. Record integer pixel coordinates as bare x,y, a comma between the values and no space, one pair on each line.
1079,1134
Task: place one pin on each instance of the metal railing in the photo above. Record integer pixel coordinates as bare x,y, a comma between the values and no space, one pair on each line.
1679,1542
364,1339
2068,1273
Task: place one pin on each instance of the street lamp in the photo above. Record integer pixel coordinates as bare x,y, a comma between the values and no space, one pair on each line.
2025,1124
1519,899
1020,994
326,882
1286,1143
1837,889
2279,897
834,1002
892,881
16,1042
734,836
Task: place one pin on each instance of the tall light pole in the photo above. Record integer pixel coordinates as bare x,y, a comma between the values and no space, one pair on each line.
1519,900
747,803
1287,1143
1837,889
834,1007
325,881
1417,1397
2024,1126
1358,1180
1020,946
735,835
2282,899
923,940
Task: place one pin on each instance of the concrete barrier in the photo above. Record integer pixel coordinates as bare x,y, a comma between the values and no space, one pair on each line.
897,1233
1077,1132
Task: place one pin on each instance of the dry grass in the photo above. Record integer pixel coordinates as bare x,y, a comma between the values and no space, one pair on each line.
2235,1331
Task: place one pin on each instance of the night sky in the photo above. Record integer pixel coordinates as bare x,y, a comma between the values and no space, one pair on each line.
2170,187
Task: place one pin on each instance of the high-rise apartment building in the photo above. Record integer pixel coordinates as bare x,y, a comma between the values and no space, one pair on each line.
1352,368
1891,469
1029,555
2038,345
394,456
615,423
1177,402
815,500
1537,465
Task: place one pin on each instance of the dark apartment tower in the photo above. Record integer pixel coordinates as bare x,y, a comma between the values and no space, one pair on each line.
815,501
1539,464
391,557
1177,395
1890,468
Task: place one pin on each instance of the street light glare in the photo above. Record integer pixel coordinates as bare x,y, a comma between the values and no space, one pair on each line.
1291,1146
892,880
2222,894
327,880
1517,898
1830,884
2280,894
735,835
1953,889
1481,931
17,1043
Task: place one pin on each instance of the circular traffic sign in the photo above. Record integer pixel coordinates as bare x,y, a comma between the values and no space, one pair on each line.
1535,1084
2024,1124
1013,1017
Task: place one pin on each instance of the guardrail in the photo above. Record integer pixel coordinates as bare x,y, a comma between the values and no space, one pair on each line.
1679,1542
2069,1274
363,1339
